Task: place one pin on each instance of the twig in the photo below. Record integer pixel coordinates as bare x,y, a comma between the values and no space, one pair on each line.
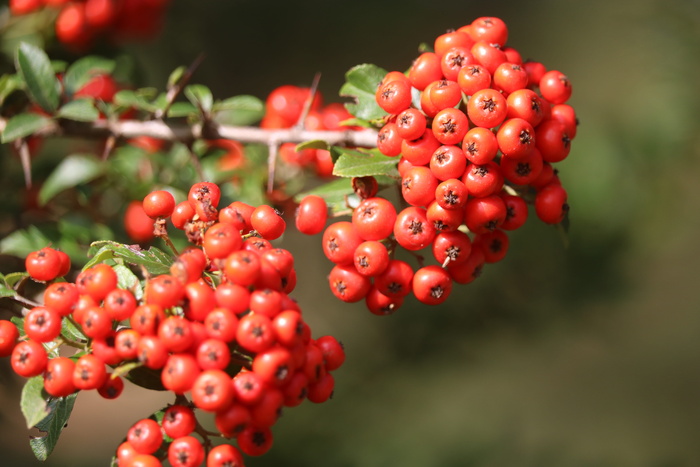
175,91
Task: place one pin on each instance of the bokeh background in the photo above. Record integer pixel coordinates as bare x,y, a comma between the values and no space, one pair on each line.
570,356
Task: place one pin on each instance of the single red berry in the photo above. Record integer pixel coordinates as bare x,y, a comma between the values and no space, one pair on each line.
418,186
444,94
322,390
410,124
255,332
181,215
432,285
516,212
482,215
58,377
340,241
371,258
212,390
380,304
138,226
145,436
311,215
419,151
179,372
347,284
224,455
488,54
28,358
394,96
42,324
493,244
456,58
186,451
389,140
473,78
158,204
232,420
516,138
89,372
220,240
62,297
374,218
267,222
509,77
483,180
550,204
43,265
451,194
8,337
178,420
205,197
555,87
448,162
112,388
489,29
480,145
450,125
396,279
426,69
451,247
487,108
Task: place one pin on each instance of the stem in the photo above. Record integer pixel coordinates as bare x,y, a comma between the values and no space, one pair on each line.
183,132
27,303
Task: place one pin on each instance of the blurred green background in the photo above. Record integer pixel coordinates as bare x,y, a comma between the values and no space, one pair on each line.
580,356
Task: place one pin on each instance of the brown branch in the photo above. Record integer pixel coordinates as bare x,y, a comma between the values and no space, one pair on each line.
188,133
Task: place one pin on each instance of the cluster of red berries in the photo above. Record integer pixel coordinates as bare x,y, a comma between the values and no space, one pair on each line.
220,326
477,131
284,107
80,22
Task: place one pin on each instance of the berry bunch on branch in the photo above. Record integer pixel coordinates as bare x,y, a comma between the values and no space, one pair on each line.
421,174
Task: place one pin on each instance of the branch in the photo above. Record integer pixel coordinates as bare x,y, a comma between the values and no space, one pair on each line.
188,133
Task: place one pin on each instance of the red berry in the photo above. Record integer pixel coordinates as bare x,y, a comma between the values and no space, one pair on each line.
158,204
311,215
43,265
432,285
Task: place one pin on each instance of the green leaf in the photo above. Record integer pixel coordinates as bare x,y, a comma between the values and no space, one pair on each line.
200,96
154,260
72,332
23,125
239,110
33,401
8,85
146,378
83,70
176,75
6,291
315,144
357,122
361,84
13,278
181,109
352,163
126,279
35,68
140,99
72,171
60,410
335,193
81,110
23,242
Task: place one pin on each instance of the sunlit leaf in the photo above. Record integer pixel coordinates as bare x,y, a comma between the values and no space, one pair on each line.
361,84
33,401
154,260
353,163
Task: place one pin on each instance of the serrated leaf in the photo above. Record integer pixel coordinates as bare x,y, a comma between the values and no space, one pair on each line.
23,125
23,242
239,110
352,163
60,410
33,401
81,110
35,68
72,171
361,84
83,70
154,260
315,144
126,279
72,332
13,278
200,96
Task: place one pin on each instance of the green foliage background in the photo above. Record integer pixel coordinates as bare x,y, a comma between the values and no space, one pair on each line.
578,356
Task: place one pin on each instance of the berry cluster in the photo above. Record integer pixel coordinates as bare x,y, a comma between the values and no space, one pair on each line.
476,131
79,23
220,326
285,107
